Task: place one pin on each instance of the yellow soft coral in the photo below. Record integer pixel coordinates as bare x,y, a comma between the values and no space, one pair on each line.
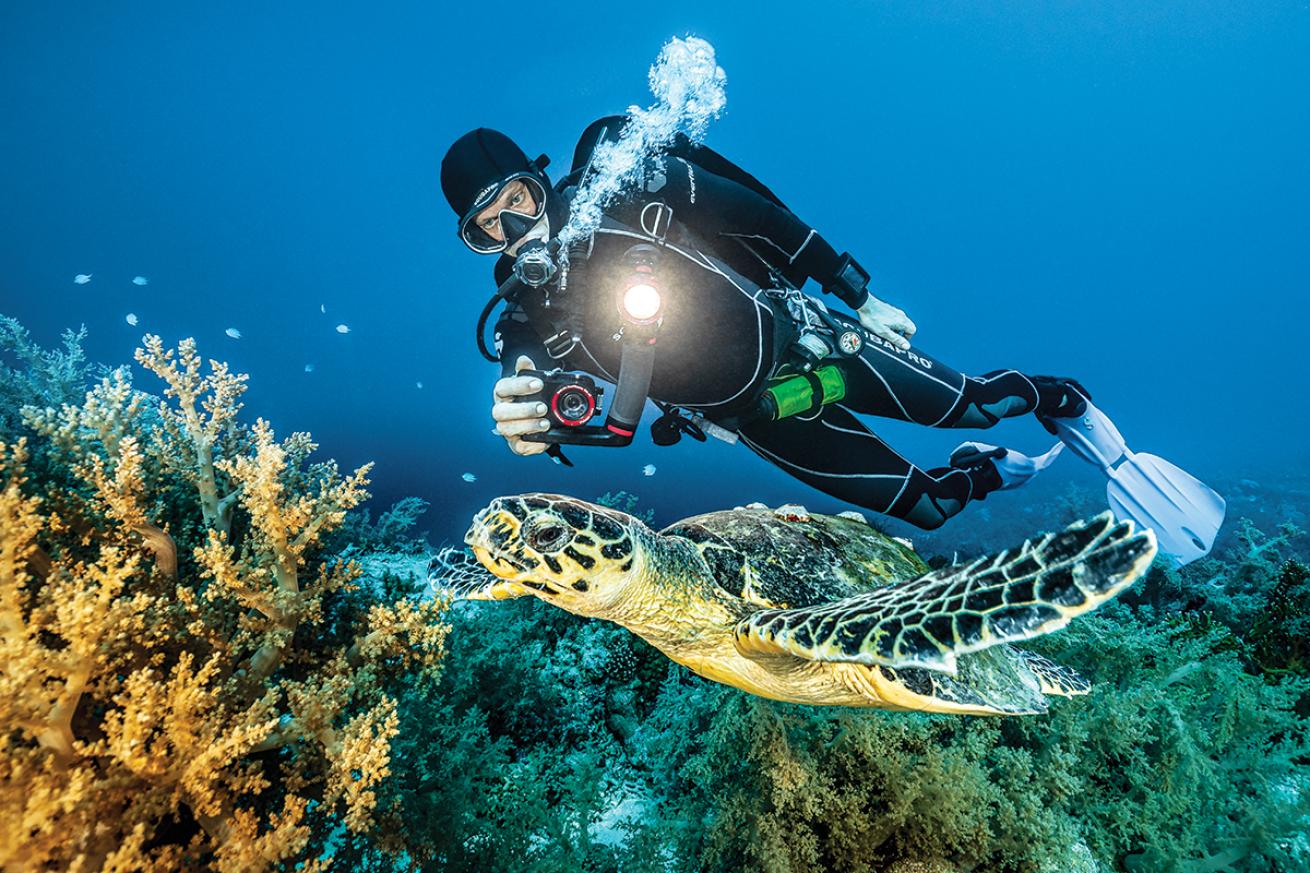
206,406
285,522
114,466
143,646
361,759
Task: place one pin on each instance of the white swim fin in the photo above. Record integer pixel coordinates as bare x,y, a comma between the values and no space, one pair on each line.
1184,512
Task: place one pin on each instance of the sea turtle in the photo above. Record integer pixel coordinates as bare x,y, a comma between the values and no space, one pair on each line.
812,608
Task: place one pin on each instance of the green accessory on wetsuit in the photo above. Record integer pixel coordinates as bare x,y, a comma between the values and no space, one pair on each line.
792,395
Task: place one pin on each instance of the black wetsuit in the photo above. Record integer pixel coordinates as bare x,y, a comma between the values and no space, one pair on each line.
726,328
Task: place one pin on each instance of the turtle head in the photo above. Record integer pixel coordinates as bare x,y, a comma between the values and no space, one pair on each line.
576,555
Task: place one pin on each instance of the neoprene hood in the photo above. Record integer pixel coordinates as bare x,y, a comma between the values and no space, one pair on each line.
473,171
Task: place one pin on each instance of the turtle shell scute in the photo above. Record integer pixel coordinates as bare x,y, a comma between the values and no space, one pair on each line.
769,560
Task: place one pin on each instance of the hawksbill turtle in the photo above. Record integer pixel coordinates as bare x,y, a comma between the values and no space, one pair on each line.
810,608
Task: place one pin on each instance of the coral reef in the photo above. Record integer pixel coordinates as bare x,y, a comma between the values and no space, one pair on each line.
39,377
1189,755
212,658
1280,635
1166,765
190,680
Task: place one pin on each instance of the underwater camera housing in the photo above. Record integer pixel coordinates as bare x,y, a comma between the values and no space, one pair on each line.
572,402
572,399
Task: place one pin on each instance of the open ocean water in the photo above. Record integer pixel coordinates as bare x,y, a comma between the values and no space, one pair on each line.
1115,192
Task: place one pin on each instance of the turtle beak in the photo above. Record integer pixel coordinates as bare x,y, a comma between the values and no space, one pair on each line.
487,535
473,536
493,566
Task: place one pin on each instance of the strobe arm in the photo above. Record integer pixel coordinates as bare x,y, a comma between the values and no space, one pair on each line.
635,368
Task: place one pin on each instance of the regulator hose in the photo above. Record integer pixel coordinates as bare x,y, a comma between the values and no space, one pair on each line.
482,327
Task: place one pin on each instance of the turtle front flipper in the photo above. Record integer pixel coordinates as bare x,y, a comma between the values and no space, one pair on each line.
928,621
456,574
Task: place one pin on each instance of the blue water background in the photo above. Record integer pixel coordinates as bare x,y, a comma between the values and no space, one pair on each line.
1115,191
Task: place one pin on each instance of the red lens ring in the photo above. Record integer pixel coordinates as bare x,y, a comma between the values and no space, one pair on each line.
573,422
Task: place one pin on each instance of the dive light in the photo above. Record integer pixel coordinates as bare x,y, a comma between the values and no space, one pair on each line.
640,302
572,398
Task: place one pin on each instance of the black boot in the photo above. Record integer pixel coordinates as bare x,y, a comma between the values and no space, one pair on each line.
1059,397
981,468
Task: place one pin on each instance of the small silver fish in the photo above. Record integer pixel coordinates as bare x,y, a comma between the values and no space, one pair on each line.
82,278
309,368
418,384
343,328
140,280
648,470
233,332
469,477
130,318
322,307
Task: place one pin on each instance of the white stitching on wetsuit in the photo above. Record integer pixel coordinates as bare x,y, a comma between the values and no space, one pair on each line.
906,477
904,485
877,347
709,266
759,325
809,236
604,372
959,391
955,403
791,259
759,448
863,433
984,380
887,385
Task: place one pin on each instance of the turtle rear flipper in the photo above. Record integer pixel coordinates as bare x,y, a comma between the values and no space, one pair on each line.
1055,678
1002,680
926,622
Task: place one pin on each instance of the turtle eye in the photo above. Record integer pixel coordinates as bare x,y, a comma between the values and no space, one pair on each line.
546,537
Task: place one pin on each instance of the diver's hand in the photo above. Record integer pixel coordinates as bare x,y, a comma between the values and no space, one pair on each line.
887,322
516,418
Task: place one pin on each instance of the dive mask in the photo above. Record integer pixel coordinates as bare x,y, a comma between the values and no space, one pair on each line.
512,224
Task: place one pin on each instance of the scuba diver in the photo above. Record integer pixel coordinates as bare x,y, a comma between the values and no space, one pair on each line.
723,340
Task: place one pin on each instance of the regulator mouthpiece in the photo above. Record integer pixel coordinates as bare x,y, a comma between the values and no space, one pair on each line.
534,266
